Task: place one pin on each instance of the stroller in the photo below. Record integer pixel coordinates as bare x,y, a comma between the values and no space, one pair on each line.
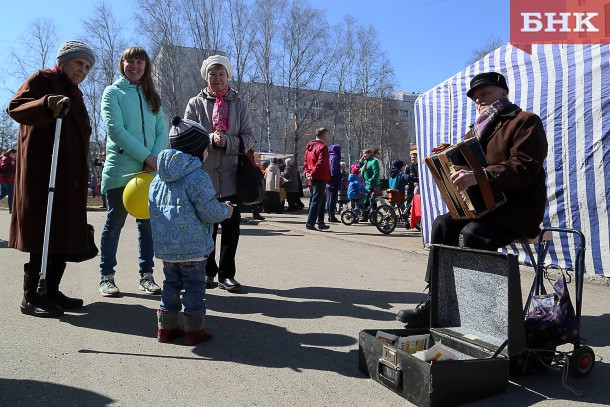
551,320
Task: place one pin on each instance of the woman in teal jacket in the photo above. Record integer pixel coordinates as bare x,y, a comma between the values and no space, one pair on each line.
136,130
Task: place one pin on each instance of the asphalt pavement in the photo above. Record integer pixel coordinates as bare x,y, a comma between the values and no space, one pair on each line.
290,338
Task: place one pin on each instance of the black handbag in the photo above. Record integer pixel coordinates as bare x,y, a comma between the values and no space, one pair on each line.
91,252
250,187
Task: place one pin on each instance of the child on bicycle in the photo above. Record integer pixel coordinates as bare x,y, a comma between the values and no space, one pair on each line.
356,191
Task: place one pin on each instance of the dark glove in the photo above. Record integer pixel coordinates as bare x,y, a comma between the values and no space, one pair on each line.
57,103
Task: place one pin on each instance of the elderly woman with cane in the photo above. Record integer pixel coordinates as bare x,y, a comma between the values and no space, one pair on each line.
225,115
38,102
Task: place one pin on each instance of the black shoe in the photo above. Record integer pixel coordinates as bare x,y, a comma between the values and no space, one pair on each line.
323,227
42,308
310,227
64,301
229,284
258,217
334,220
416,318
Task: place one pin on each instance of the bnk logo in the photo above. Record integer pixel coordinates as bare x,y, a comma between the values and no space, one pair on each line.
559,22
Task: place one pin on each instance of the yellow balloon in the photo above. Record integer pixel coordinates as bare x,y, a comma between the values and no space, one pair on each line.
135,196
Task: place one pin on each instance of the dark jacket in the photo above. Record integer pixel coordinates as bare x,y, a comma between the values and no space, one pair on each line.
317,161
334,152
291,175
34,152
516,150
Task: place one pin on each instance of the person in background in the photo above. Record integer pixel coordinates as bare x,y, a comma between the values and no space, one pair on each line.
37,104
515,144
335,181
316,168
99,162
342,194
369,171
282,166
255,208
135,125
291,184
183,210
412,169
356,192
7,175
398,182
226,116
273,180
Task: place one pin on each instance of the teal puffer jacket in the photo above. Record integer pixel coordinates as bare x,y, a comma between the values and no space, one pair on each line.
134,132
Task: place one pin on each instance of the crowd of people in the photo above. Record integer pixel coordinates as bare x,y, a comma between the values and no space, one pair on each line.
194,191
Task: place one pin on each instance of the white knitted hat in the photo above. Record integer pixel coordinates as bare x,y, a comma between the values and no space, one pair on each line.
213,60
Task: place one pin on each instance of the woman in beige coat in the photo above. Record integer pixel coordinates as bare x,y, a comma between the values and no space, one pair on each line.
226,116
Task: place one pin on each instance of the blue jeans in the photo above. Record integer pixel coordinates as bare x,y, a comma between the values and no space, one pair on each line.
190,276
316,205
332,202
6,189
115,219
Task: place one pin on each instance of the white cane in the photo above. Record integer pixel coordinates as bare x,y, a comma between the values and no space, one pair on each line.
42,283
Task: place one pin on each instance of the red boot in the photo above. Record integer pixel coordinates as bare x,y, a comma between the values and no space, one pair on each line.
194,332
169,329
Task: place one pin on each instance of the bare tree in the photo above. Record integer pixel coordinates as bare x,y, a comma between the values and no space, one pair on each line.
8,131
105,37
37,47
491,44
267,14
306,61
241,45
165,31
206,23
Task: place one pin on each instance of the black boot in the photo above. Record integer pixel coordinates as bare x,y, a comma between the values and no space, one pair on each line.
33,303
416,318
55,273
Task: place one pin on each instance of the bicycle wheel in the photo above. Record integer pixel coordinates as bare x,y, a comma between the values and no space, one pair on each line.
347,217
386,219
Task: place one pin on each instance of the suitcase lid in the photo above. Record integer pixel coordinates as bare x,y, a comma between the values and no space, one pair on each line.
476,297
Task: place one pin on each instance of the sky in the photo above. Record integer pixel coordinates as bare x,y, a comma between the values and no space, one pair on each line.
427,41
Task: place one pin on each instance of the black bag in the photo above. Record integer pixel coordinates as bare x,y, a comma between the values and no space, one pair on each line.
90,253
250,187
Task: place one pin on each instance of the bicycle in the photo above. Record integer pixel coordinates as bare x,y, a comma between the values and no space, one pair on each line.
388,215
349,215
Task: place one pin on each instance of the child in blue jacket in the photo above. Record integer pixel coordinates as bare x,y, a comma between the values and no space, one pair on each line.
183,211
356,191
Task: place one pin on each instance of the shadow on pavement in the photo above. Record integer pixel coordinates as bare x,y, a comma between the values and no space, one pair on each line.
259,344
130,319
19,393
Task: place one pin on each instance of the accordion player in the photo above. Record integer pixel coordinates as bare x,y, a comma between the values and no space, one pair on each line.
478,199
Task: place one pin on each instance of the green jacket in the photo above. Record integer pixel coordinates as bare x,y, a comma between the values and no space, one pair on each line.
371,172
133,131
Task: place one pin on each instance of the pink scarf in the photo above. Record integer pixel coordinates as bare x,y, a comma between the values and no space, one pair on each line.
220,119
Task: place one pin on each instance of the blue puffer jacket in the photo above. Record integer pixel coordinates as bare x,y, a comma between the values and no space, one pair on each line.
355,189
183,209
129,122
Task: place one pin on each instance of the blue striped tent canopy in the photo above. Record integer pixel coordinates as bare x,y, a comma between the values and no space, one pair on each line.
568,86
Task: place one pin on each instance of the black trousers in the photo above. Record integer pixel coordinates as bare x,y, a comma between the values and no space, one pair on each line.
228,244
482,234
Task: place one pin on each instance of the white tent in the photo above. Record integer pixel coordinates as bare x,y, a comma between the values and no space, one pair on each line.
568,86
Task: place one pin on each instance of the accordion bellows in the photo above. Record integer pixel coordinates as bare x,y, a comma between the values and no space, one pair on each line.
477,200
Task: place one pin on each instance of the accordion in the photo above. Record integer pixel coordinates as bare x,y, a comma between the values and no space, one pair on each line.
475,201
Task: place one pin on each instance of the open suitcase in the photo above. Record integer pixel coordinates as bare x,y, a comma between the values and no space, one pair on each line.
476,312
